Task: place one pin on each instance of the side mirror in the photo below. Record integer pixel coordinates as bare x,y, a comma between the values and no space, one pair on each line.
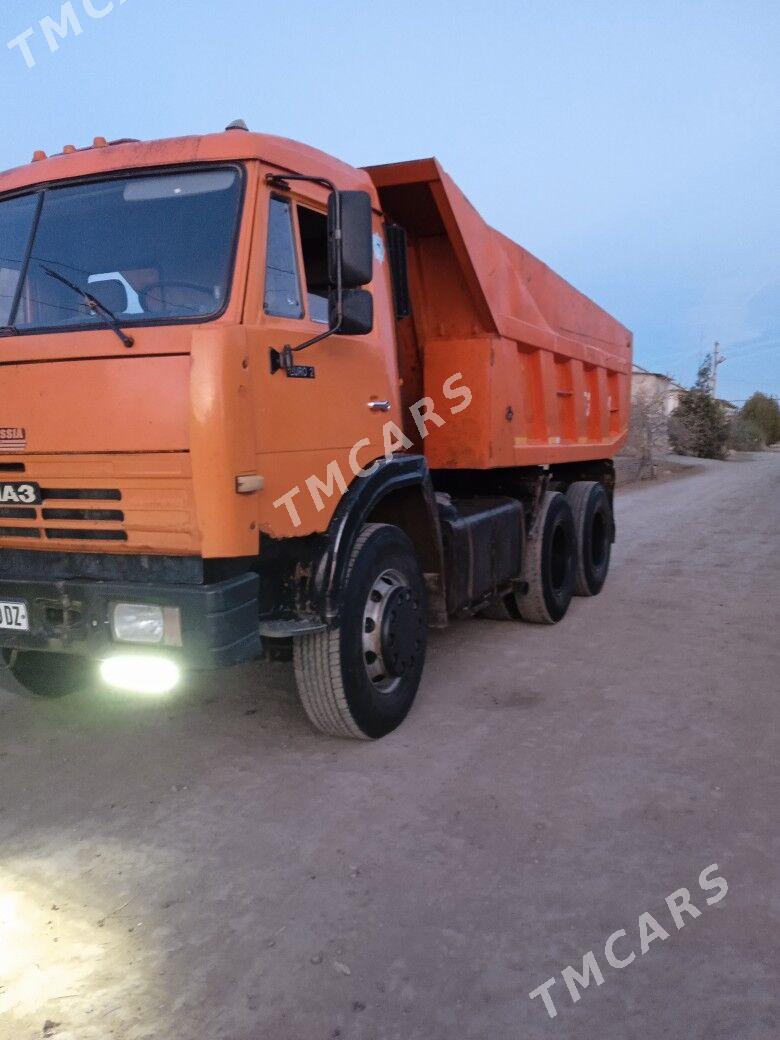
357,312
350,265
357,247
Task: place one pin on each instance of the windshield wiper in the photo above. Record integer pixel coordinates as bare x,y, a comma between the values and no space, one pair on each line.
93,303
8,330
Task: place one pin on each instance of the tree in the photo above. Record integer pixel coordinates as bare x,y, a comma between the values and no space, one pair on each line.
648,435
698,425
763,412
745,435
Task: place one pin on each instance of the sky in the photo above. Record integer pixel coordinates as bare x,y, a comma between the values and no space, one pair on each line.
633,146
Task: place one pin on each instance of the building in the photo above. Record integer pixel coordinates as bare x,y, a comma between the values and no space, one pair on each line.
658,386
729,409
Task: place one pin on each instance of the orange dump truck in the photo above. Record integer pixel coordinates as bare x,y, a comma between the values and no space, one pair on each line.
258,402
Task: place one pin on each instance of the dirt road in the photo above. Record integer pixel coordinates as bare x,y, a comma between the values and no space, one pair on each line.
211,868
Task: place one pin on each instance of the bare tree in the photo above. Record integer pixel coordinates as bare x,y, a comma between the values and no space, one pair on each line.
648,436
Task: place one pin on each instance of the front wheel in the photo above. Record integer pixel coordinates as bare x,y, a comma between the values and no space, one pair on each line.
48,675
359,678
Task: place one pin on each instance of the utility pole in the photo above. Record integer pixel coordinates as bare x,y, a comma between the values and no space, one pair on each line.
717,359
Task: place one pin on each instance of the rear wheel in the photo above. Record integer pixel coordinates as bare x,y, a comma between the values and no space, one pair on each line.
359,679
548,569
48,675
593,526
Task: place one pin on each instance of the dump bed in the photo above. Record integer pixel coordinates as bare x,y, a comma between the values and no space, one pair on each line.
548,369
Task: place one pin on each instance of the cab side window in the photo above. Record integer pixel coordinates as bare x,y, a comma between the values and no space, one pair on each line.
282,282
314,246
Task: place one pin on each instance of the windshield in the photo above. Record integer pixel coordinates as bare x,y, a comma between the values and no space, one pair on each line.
148,248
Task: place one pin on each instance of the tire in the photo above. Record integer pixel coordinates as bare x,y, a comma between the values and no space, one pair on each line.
593,526
48,675
359,679
548,569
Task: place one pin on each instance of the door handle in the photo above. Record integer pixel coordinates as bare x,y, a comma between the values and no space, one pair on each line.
379,406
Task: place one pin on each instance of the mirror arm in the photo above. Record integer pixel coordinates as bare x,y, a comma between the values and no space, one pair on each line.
280,181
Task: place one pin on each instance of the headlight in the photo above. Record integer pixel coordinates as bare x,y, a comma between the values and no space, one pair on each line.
146,623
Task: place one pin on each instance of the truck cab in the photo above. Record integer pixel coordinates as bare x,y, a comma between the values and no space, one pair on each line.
231,368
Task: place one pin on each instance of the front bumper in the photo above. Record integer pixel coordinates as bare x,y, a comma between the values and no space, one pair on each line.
219,622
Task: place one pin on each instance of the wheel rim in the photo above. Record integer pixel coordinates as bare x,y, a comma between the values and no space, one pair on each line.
392,631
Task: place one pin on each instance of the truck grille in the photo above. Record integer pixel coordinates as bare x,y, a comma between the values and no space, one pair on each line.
41,514
149,508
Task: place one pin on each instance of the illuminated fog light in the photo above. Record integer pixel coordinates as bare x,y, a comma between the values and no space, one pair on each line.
135,673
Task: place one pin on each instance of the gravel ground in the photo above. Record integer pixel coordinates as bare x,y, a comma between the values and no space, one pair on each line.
210,867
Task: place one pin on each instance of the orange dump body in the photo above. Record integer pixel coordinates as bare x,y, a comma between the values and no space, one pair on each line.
549,370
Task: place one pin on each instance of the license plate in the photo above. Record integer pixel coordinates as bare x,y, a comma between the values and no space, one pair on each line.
19,493
13,617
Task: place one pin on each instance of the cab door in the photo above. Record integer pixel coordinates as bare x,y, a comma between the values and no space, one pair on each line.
325,422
